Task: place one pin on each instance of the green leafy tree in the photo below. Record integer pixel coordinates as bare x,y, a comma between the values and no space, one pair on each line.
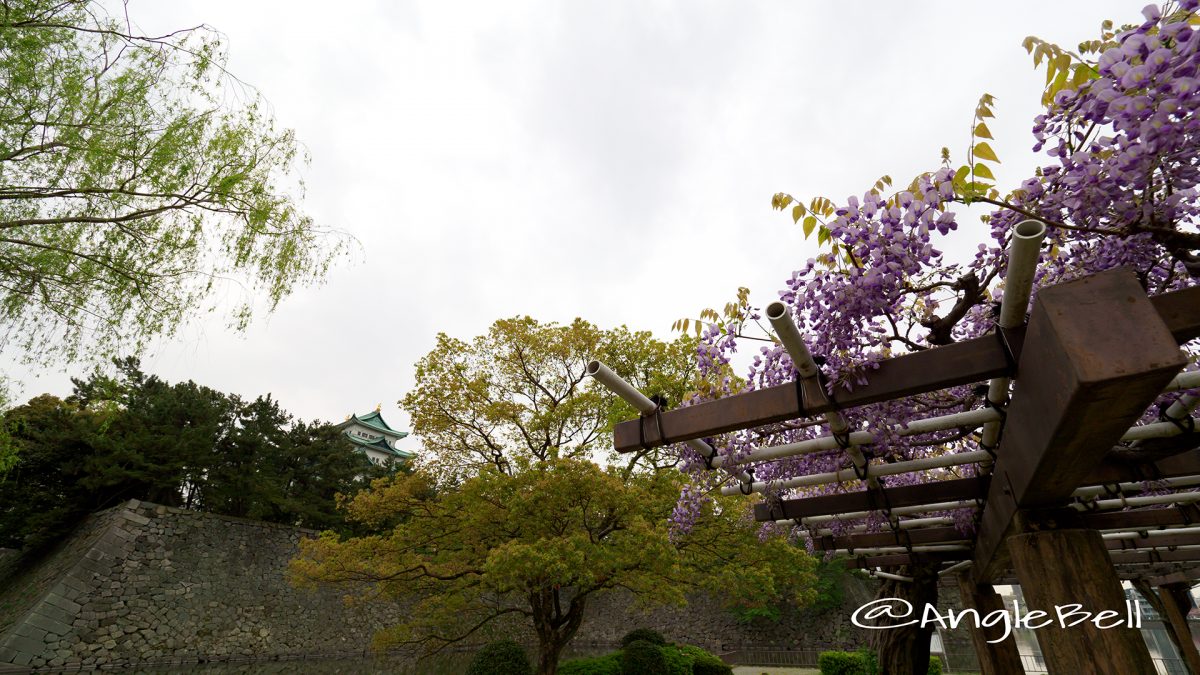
520,392
537,542
135,436
136,178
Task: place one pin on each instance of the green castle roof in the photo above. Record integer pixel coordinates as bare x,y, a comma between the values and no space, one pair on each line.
374,420
380,444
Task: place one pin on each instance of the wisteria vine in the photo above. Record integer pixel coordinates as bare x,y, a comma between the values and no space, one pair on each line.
1123,134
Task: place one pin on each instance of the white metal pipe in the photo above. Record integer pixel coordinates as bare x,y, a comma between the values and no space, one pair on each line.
956,567
1150,533
617,384
1184,381
792,341
898,511
956,459
1023,251
620,387
911,524
1097,490
1151,500
802,360
888,575
1156,430
875,550
968,419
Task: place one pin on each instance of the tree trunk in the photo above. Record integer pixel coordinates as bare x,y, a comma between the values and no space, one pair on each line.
554,627
905,650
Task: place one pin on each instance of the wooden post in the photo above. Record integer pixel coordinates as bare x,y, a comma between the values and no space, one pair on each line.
1096,354
1061,567
995,658
1177,602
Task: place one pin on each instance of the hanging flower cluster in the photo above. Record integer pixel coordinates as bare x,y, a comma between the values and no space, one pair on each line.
1122,130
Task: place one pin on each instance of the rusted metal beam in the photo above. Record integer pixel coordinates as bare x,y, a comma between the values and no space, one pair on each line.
1096,354
960,363
908,495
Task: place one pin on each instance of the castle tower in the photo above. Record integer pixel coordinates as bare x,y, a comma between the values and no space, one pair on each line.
371,434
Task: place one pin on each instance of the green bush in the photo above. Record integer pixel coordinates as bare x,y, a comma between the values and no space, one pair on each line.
500,658
609,664
651,636
678,661
643,658
843,663
710,665
861,662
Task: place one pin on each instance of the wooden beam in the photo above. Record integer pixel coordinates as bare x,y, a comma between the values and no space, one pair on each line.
1160,541
897,559
1180,311
1176,603
1096,355
960,363
959,489
1182,514
1189,575
1152,557
924,535
1110,471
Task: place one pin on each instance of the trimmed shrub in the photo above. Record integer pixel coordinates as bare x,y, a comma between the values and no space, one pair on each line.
861,662
678,662
643,658
844,663
500,658
609,664
651,636
710,665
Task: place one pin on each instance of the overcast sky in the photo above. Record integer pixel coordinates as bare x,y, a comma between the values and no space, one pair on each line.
609,160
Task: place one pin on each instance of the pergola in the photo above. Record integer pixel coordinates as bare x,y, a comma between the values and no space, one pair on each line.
1071,494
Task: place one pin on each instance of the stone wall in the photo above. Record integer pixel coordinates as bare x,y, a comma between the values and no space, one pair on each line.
149,584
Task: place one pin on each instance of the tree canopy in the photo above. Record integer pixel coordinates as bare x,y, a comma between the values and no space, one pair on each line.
135,436
537,543
137,178
520,392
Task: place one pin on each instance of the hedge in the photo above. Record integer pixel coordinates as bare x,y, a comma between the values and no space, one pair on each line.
500,658
861,662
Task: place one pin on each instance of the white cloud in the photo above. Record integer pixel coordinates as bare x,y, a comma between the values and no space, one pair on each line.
611,160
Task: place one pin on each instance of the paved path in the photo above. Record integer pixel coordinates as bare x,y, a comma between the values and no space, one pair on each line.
772,670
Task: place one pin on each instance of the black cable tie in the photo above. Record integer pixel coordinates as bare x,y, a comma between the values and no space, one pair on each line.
801,403
657,413
1185,424
1112,489
866,469
746,488
1185,513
